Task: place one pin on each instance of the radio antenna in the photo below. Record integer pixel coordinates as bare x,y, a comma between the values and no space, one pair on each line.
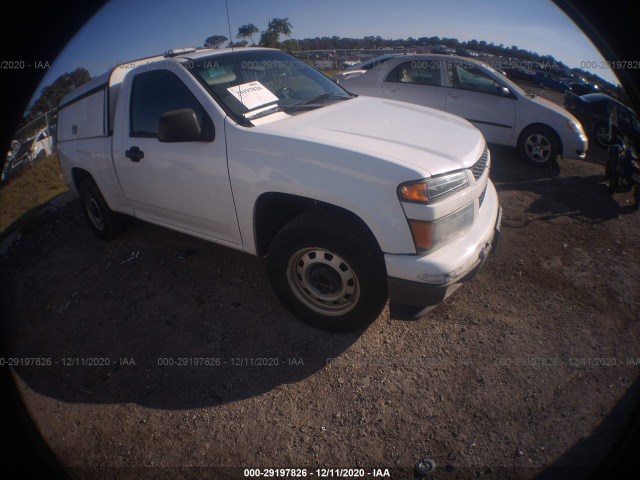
229,24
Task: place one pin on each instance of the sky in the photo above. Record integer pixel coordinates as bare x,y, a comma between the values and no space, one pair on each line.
108,37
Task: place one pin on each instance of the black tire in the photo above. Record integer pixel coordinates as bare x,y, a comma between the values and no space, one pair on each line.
607,169
601,135
539,146
328,270
613,181
636,197
104,222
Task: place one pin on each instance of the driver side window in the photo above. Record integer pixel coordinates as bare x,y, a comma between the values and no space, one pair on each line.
468,77
157,92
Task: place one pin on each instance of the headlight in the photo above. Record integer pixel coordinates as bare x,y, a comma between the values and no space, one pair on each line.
433,189
575,127
427,236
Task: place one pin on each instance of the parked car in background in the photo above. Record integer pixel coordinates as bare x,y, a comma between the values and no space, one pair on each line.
33,149
8,161
500,70
23,157
13,148
521,73
580,88
348,63
505,113
362,67
463,52
42,144
443,50
593,111
549,80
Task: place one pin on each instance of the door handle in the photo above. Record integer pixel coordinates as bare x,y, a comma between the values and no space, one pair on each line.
134,154
454,96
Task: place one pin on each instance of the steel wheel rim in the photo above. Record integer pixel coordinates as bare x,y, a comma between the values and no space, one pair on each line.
93,211
538,148
323,281
602,136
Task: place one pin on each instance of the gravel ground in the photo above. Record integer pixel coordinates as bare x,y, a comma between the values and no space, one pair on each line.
529,370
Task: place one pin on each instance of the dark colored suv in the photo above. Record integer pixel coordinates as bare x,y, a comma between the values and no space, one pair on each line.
593,112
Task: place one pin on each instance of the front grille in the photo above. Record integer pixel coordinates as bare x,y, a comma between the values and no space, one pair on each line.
480,166
483,194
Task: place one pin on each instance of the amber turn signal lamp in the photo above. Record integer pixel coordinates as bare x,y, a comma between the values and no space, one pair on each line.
416,192
422,234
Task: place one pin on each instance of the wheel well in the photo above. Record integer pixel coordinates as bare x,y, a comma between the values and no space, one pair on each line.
274,210
597,125
543,125
79,175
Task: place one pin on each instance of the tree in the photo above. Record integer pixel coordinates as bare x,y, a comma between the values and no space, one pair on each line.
269,39
276,27
242,43
280,26
291,46
51,95
215,41
247,31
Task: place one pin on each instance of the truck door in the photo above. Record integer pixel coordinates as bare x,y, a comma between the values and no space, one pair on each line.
180,184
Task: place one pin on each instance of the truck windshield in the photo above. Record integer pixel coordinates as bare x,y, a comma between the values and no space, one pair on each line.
255,83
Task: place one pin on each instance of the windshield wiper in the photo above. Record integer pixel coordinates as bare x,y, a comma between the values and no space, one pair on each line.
263,112
313,102
324,96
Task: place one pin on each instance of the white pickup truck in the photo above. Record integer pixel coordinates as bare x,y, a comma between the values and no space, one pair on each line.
353,200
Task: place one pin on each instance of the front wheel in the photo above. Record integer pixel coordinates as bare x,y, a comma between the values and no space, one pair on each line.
104,222
328,270
538,145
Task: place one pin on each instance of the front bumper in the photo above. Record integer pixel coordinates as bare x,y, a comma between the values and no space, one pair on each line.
427,280
575,146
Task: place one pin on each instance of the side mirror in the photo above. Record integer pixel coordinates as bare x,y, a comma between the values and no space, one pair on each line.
503,91
181,126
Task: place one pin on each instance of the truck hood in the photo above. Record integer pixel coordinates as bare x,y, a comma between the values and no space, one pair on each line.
430,140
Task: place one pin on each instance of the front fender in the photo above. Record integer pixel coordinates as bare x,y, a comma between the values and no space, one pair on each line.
360,183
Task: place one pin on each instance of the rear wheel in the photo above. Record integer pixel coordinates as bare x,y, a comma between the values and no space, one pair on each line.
328,270
104,222
538,145
601,132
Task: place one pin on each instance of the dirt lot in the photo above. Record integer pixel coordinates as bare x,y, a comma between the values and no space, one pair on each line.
531,369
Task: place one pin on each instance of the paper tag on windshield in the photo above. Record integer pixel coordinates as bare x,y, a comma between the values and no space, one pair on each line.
252,94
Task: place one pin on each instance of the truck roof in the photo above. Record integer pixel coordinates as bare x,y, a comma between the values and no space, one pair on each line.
115,75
